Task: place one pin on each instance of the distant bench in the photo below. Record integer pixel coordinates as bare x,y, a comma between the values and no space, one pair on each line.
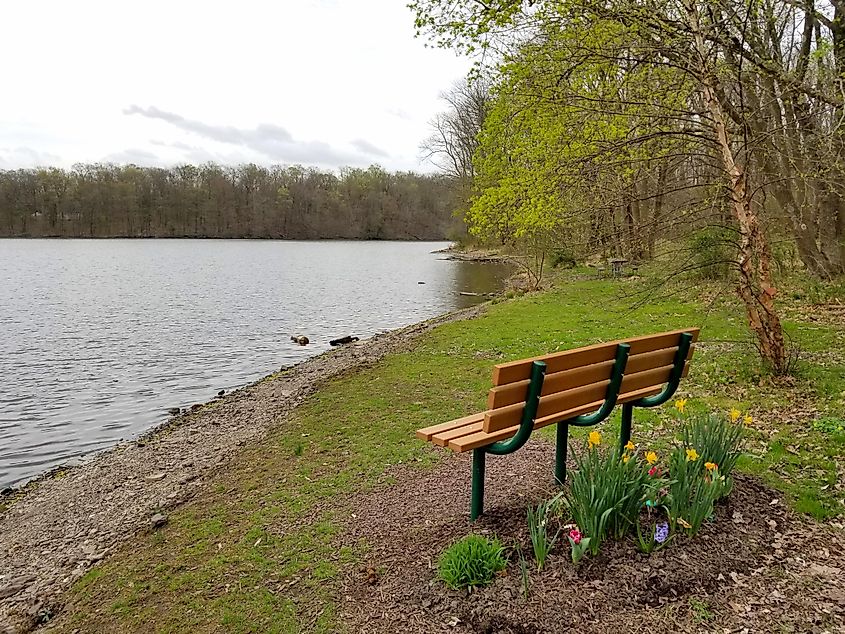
576,387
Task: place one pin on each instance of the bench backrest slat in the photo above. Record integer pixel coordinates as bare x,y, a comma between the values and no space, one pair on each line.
575,378
505,373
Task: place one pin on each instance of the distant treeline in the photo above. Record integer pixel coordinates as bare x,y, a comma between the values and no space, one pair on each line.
248,201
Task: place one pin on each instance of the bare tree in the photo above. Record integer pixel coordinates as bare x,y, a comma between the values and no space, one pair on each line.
454,138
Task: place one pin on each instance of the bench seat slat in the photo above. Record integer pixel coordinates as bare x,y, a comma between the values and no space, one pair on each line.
427,432
505,373
441,439
482,438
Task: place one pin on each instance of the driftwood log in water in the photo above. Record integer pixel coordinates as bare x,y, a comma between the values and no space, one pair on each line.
343,340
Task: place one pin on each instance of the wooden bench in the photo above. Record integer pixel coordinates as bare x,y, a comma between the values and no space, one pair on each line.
578,387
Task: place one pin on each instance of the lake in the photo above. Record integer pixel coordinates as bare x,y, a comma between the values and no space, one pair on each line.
99,338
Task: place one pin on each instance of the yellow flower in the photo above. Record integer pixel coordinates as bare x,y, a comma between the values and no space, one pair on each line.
594,439
651,457
625,458
710,466
680,404
692,454
630,446
735,414
684,523
747,420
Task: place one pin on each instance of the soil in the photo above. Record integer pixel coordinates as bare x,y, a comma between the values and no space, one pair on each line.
756,568
59,526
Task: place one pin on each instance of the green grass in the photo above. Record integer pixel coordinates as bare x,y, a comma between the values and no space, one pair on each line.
259,551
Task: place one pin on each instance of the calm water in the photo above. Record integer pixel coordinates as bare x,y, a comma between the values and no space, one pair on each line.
99,338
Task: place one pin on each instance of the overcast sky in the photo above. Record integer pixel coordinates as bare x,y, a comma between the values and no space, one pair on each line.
159,82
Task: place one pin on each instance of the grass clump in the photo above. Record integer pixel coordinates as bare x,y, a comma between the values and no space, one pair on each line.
539,528
471,562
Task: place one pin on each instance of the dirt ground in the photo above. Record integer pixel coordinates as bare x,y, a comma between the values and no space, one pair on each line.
756,568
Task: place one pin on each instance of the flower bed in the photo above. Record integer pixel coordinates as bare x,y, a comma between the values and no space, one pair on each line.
614,494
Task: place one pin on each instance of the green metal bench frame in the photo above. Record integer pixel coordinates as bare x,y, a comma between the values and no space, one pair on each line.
532,402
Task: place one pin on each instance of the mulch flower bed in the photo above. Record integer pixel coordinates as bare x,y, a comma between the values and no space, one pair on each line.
757,567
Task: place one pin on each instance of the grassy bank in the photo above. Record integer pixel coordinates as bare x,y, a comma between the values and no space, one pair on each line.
263,550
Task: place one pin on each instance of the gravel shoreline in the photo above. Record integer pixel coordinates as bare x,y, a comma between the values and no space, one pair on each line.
58,527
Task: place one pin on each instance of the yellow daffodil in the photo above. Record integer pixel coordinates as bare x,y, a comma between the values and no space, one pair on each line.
630,446
710,466
594,439
735,414
684,523
680,404
651,457
748,420
692,454
625,458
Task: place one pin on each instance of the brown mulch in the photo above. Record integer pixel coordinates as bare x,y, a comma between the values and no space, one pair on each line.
757,568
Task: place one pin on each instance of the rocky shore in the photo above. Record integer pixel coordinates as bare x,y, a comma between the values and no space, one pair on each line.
58,527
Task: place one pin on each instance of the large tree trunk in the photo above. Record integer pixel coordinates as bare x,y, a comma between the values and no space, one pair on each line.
755,286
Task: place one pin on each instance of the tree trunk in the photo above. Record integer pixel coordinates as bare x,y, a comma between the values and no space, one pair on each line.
755,286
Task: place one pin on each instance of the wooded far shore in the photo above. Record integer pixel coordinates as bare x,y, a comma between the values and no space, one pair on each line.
214,201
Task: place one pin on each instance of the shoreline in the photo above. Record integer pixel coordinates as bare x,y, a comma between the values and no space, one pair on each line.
74,453
60,524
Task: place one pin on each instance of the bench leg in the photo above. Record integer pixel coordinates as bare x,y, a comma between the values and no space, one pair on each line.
477,504
560,453
625,430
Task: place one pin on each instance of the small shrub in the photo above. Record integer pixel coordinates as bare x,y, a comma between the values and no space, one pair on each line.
471,562
564,258
712,252
539,527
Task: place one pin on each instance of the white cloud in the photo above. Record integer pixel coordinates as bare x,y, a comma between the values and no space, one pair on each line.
266,82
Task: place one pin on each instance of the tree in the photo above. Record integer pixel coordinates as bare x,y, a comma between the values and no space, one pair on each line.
600,100
454,138
104,200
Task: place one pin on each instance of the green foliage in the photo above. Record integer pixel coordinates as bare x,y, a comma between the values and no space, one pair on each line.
605,494
717,440
692,490
539,528
563,257
712,252
246,201
652,535
471,562
523,574
829,425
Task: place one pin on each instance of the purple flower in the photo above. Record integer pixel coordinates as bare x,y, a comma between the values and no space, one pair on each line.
661,532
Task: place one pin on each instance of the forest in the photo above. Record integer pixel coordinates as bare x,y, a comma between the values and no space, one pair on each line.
707,135
213,201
